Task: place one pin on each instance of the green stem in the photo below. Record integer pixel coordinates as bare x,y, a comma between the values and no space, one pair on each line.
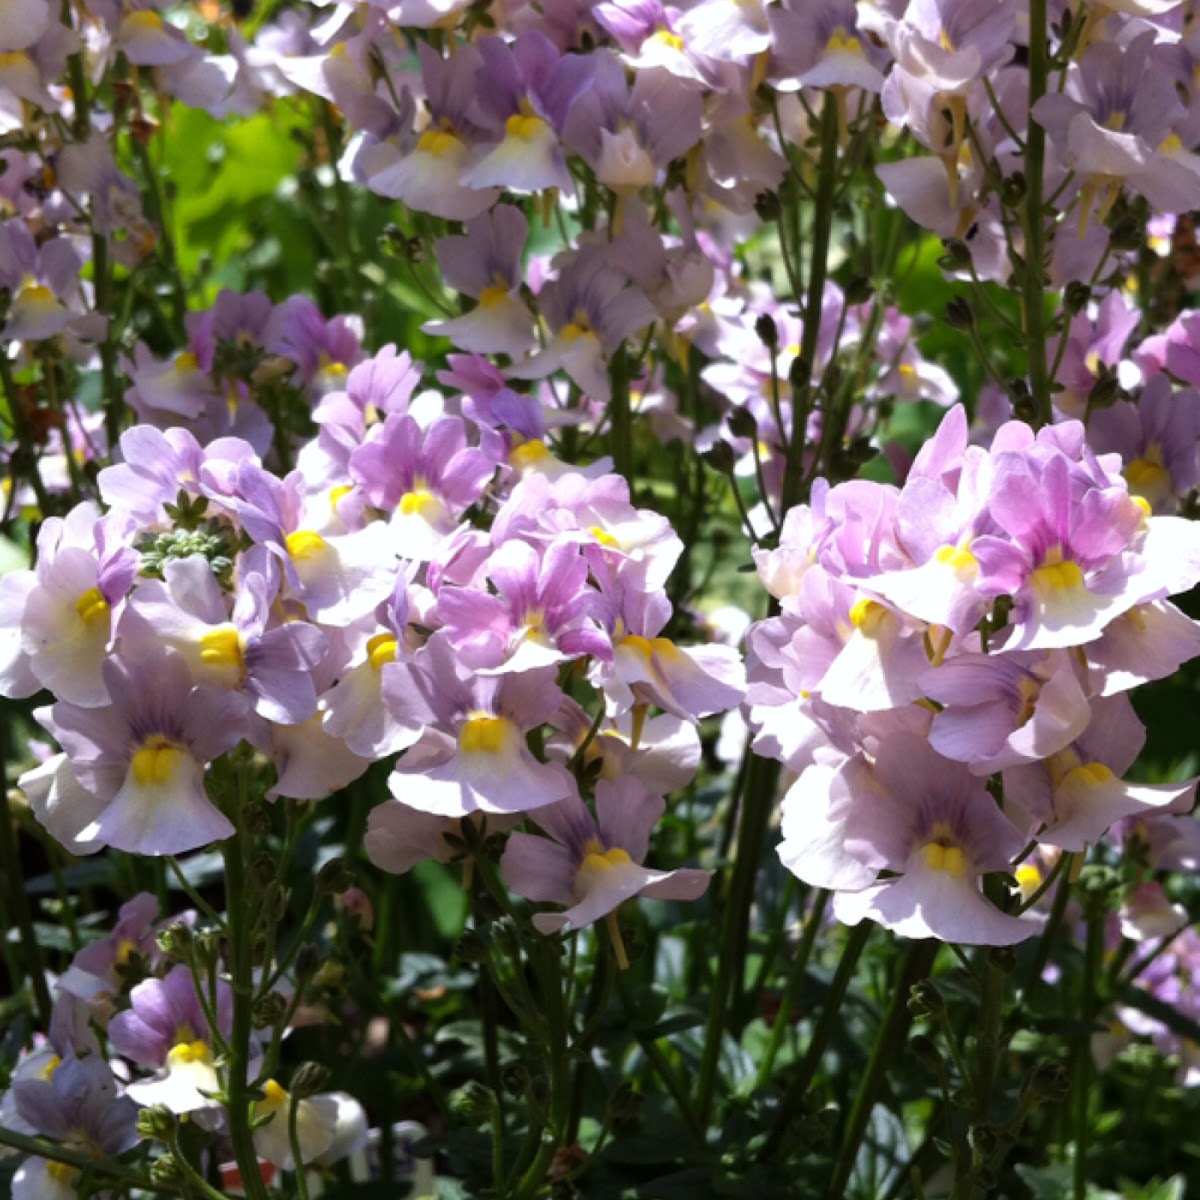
294,1142
1083,1056
758,798
822,230
891,1034
40,1147
1033,283
830,1014
620,415
24,434
783,1017
242,982
10,860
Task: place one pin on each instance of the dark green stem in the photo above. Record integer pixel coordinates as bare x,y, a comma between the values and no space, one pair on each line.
24,435
783,1017
891,1034
10,860
242,982
41,1147
1083,1055
1033,283
830,1015
793,479
758,799
620,416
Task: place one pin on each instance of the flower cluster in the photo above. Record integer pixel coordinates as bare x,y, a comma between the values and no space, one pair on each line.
984,620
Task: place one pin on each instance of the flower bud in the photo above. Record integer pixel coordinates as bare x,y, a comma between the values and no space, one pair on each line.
165,1171
959,314
926,1001
269,1010
156,1122
176,940
768,334
742,423
472,1103
309,1079
335,877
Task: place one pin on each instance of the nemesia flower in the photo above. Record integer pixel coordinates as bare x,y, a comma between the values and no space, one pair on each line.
1078,791
58,617
328,1126
472,755
166,1029
144,754
933,823
77,1106
594,864
235,650
486,264
425,478
542,612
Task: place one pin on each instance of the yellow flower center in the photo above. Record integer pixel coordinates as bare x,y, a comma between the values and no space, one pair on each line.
381,649
222,647
92,607
963,563
188,1052
844,43
483,733
605,538
337,493
420,501
304,544
493,295
62,1173
143,21
647,647
939,857
186,362
597,860
524,127
438,143
528,453
156,762
866,615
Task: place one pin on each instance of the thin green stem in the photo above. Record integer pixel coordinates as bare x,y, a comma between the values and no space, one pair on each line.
1082,1075
891,1035
241,952
620,415
294,1142
758,797
24,435
40,1147
1033,283
799,967
818,268
830,1015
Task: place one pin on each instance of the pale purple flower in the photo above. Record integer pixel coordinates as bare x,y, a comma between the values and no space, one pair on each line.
594,864
78,1106
542,611
166,1029
240,648
473,755
425,479
144,754
932,822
